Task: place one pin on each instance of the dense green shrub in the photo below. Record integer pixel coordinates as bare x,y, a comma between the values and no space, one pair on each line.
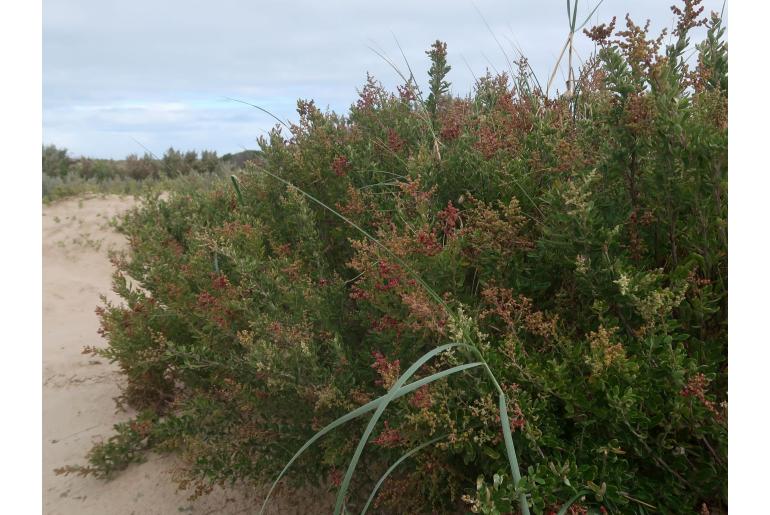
141,168
98,169
56,163
580,241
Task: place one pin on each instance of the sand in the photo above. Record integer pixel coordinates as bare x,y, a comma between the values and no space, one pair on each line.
78,390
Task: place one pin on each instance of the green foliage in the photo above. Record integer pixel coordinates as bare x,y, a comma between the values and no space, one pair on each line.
141,168
437,73
578,245
125,447
56,163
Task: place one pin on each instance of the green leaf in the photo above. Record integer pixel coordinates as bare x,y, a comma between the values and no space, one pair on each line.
491,453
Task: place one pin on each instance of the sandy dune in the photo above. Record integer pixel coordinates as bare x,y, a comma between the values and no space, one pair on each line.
78,390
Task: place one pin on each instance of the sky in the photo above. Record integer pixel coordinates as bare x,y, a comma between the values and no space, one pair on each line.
122,76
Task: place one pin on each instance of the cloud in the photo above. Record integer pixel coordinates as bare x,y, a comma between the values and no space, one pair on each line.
161,70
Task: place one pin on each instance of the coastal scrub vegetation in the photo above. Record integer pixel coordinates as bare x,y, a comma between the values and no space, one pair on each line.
572,248
65,176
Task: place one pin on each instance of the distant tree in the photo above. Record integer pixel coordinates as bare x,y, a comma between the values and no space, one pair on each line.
209,162
103,170
83,167
172,163
190,162
56,163
142,168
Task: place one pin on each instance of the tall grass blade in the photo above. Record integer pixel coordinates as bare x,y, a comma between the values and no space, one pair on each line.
410,83
237,187
511,451
556,66
588,18
563,510
378,413
408,67
369,406
574,17
145,148
393,467
261,109
500,46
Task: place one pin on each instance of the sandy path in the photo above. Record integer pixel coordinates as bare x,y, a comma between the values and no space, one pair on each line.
78,390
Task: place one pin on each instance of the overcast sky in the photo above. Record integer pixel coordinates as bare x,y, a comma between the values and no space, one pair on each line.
159,72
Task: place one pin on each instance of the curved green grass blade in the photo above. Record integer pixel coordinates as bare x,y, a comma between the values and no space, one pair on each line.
563,510
261,109
574,17
237,187
511,451
369,406
393,467
556,66
378,413
588,18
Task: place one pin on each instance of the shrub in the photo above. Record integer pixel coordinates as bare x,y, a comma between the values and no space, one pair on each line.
579,243
141,168
56,163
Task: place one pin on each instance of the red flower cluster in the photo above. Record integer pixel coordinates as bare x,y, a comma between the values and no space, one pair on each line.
450,131
487,143
232,229
429,245
390,276
335,477
421,398
206,300
370,94
217,312
516,415
388,437
412,188
388,370
219,282
449,216
386,323
357,293
395,142
406,93
696,387
340,166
